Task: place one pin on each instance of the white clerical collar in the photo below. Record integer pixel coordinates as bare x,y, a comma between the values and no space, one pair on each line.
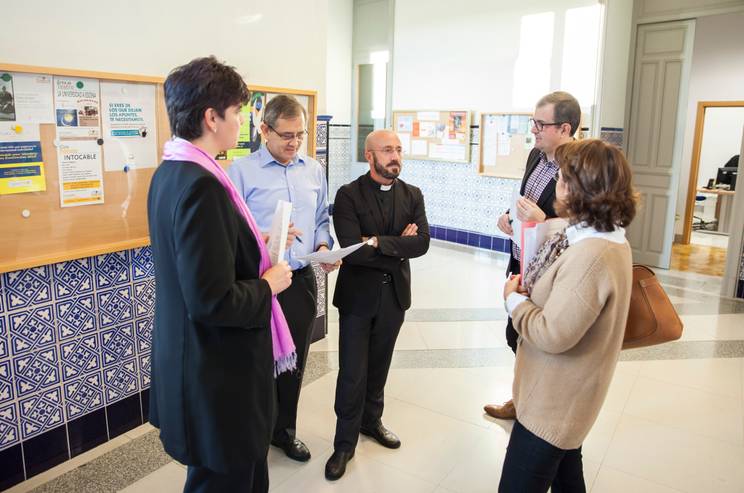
579,232
386,188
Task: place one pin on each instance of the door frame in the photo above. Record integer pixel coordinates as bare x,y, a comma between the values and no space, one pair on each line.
697,145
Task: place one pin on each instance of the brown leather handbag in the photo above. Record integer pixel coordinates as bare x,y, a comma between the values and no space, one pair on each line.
651,318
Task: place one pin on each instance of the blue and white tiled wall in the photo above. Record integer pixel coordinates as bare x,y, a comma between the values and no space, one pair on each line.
462,206
74,357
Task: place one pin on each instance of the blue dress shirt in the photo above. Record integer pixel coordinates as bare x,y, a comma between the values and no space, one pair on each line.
262,182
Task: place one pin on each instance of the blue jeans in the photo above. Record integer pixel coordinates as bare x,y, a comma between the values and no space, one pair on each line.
532,465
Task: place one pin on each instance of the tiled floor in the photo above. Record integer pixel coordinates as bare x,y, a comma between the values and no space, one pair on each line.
673,420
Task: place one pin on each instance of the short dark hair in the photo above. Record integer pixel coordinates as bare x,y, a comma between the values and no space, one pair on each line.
193,88
599,184
282,106
566,108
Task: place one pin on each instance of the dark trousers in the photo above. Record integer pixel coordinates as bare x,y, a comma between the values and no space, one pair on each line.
254,479
533,465
299,303
365,350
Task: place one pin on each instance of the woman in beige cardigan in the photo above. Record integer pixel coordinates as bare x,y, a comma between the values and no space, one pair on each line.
570,313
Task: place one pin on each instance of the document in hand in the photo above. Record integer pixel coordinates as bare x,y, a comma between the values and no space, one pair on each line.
332,256
516,224
534,235
279,229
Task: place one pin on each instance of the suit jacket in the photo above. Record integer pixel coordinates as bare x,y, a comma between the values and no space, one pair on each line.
546,202
212,389
355,214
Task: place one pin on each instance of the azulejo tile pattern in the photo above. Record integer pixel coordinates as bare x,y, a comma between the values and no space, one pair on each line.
143,330
4,351
36,371
120,380
112,269
75,316
83,395
115,306
32,328
80,356
41,412
6,382
27,287
9,434
73,278
144,298
142,266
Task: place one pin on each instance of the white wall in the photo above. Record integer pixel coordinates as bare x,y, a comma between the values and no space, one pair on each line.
280,43
617,49
717,74
465,55
721,140
339,55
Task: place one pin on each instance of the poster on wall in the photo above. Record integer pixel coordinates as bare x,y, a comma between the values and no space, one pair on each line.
80,173
249,140
34,100
77,108
129,126
7,99
21,167
505,142
243,148
434,135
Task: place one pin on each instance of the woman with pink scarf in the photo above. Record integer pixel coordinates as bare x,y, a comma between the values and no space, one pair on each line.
219,335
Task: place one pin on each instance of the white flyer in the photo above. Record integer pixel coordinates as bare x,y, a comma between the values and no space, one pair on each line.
33,98
77,108
332,256
129,132
80,173
516,224
279,230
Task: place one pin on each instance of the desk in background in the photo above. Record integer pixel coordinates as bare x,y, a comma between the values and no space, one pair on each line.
724,203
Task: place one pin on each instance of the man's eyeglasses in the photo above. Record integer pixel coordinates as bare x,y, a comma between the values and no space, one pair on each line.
390,150
539,125
289,136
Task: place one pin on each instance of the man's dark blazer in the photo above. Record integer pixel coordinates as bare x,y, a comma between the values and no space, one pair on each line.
546,202
356,214
212,390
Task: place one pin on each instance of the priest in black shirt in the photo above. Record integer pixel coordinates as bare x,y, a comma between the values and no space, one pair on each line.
373,290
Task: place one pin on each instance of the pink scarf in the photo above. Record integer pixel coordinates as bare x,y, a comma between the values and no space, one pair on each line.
177,149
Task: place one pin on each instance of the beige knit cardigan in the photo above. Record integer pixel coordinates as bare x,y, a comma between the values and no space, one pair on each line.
571,329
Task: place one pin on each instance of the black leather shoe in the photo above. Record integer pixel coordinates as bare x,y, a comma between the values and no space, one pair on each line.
336,465
384,437
294,449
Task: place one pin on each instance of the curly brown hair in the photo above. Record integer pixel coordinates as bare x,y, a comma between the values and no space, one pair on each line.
599,185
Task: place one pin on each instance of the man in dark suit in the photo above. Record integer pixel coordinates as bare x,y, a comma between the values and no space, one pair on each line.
555,121
373,290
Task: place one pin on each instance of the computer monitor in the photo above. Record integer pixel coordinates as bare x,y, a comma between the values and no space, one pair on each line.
727,176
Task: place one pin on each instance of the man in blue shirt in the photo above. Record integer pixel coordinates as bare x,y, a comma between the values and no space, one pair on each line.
277,172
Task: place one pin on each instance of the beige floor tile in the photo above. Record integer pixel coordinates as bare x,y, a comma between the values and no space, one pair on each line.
168,479
696,411
480,469
281,467
462,335
611,480
621,387
724,327
363,475
598,441
719,376
591,469
451,391
431,443
675,458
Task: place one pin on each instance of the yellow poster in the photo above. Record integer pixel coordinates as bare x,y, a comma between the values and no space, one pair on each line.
21,168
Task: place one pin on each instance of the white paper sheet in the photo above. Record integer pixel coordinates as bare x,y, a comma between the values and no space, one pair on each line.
516,223
77,107
33,98
129,128
419,147
405,143
279,229
332,256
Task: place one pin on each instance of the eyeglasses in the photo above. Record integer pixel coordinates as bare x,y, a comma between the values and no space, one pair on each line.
289,136
539,125
390,150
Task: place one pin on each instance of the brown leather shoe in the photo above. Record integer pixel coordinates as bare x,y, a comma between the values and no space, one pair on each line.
505,411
